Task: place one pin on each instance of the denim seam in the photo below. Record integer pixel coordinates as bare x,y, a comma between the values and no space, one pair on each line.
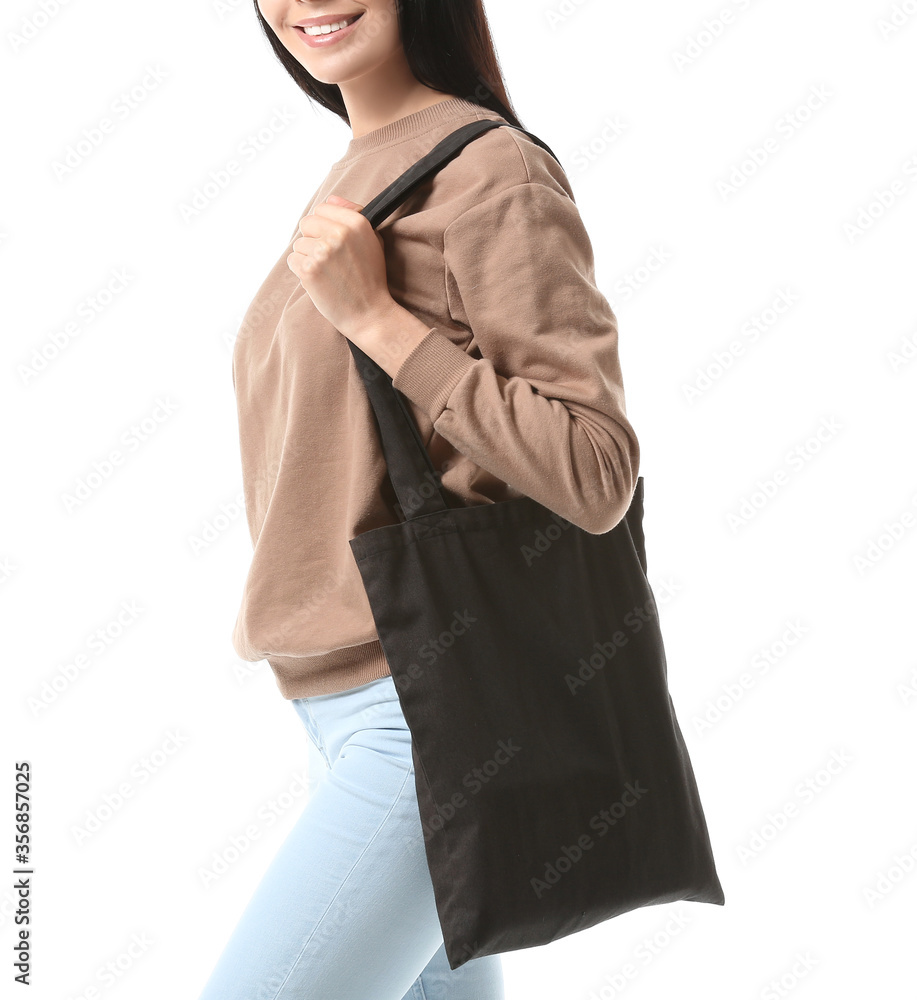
366,847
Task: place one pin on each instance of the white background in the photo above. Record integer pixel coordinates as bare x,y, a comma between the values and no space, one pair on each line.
834,881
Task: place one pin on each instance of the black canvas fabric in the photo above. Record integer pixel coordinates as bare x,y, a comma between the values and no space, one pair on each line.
554,786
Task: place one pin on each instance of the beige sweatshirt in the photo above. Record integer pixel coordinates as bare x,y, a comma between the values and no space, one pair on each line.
516,389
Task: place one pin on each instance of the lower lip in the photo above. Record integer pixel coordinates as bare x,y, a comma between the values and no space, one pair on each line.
321,41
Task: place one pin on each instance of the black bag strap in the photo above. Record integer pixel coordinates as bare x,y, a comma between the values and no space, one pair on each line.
415,481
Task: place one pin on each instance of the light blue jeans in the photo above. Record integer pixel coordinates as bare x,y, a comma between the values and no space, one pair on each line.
346,910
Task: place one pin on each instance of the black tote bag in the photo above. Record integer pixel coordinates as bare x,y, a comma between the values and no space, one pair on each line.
554,786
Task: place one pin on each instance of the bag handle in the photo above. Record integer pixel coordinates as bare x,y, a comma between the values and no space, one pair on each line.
410,470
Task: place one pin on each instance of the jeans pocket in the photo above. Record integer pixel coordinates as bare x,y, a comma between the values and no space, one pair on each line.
307,718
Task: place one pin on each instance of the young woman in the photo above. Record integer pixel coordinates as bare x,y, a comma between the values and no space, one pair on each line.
478,297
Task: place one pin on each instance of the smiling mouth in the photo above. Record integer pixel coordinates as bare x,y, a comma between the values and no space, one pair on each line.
318,31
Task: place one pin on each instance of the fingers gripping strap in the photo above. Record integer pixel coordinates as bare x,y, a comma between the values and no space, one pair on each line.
415,481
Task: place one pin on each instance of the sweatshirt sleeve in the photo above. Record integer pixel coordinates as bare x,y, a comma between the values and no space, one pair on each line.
542,406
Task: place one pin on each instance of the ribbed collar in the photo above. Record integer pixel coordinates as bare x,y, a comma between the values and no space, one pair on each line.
413,125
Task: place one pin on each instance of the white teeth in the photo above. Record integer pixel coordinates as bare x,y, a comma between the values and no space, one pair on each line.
325,29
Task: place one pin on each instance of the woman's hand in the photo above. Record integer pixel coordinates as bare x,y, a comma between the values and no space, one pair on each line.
340,262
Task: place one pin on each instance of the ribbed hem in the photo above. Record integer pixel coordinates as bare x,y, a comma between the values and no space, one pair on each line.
339,670
413,125
430,372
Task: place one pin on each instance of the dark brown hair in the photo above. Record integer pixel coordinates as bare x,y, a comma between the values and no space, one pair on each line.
448,46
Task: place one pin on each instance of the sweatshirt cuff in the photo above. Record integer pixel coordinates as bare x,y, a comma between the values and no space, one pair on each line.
431,371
